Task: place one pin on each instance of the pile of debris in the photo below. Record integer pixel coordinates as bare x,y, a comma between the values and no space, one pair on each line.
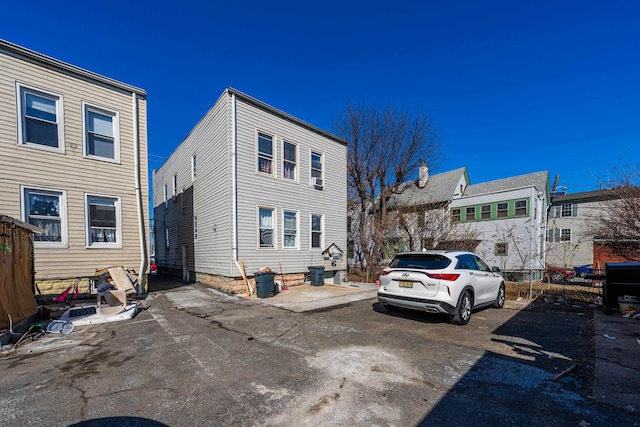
110,300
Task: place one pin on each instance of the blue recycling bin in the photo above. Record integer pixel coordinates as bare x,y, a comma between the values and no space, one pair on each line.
317,276
265,287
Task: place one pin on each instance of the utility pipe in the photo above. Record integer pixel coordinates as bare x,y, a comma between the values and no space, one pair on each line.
136,161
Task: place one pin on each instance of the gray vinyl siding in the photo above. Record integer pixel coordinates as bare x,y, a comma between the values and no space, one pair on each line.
255,189
212,141
70,171
208,197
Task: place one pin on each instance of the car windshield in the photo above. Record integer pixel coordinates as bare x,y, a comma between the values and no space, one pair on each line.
428,261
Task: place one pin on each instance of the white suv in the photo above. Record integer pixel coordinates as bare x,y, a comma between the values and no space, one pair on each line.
447,282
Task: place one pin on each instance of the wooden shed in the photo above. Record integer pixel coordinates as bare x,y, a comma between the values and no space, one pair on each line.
17,296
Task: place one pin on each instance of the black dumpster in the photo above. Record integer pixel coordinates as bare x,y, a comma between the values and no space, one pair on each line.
264,284
620,279
317,276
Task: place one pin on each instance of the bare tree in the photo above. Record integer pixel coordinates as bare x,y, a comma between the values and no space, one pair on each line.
618,226
384,148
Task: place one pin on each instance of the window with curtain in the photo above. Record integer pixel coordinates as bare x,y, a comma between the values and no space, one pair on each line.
289,158
101,133
266,222
265,153
290,229
316,231
103,221
40,119
45,209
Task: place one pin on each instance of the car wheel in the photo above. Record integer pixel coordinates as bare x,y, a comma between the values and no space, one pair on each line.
583,274
556,278
463,310
501,297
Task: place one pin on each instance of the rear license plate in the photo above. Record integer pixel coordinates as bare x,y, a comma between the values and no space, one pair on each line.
406,284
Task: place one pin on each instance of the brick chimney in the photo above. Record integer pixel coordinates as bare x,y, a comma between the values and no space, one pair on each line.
424,175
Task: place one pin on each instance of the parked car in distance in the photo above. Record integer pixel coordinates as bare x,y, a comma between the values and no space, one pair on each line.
583,270
453,283
558,274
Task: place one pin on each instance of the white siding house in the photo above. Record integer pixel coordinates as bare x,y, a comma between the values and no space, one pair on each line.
569,242
73,161
250,183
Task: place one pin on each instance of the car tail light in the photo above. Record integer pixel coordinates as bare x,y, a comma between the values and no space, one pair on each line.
385,272
378,283
444,276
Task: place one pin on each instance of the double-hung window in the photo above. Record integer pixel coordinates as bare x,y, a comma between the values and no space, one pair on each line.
316,169
193,168
104,227
40,121
455,215
289,160
266,222
101,133
501,249
46,209
290,229
265,153
470,214
317,235
503,210
566,209
565,235
174,185
485,212
521,207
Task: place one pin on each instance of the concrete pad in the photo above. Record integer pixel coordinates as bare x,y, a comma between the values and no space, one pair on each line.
617,370
306,298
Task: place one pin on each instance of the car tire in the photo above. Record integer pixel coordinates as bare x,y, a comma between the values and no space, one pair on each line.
502,296
462,312
583,274
556,278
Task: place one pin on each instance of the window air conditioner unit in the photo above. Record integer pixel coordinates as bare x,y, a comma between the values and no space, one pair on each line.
316,182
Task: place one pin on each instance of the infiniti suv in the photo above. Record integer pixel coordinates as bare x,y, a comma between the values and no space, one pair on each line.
453,283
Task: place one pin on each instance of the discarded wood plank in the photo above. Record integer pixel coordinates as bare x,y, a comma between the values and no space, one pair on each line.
22,337
121,280
565,372
247,286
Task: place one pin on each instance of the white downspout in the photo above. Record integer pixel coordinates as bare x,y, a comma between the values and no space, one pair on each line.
136,161
234,188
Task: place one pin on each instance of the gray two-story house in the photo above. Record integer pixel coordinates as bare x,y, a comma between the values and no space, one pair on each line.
254,184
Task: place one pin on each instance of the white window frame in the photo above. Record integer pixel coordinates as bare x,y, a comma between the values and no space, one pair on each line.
166,196
265,156
504,245
274,243
115,115
566,212
502,213
470,213
297,230
295,161
174,185
484,214
311,168
87,214
515,207
565,237
456,215
62,211
193,168
21,91
311,231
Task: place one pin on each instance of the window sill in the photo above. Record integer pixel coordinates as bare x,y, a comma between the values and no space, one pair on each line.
34,146
102,159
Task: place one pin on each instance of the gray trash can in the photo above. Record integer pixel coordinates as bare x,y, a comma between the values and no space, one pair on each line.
317,275
264,284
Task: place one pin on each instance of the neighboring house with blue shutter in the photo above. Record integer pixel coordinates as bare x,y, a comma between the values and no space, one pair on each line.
254,184
73,161
569,242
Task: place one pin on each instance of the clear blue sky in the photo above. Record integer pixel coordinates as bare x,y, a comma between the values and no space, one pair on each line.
513,87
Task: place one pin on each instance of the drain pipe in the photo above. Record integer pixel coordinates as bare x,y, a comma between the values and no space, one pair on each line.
136,161
234,187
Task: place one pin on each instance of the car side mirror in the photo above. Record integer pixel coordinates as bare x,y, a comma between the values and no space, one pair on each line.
495,269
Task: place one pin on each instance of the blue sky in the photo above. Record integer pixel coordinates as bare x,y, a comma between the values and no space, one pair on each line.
513,87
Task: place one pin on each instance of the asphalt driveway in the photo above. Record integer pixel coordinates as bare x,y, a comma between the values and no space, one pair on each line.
194,356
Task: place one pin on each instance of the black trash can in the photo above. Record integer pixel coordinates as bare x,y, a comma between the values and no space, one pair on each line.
264,284
317,276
